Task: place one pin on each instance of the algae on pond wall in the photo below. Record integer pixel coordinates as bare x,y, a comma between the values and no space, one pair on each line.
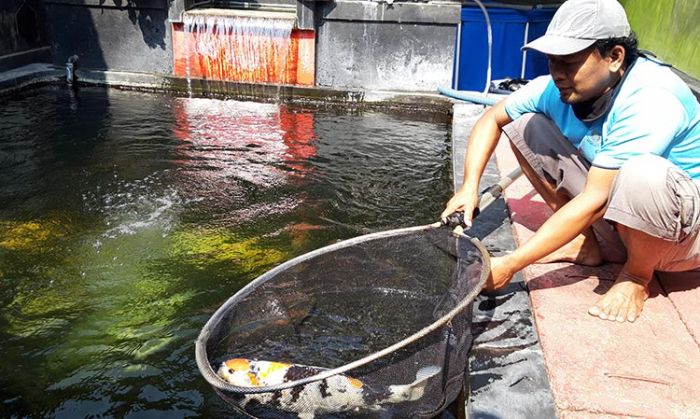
670,29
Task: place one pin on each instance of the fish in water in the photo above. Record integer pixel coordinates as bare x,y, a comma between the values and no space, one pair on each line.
338,393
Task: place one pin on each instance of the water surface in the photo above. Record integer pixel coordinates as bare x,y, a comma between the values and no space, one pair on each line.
127,219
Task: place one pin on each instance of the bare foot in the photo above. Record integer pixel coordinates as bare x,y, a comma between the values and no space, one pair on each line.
623,301
582,250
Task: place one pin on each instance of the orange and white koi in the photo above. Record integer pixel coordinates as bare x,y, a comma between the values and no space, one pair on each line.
338,393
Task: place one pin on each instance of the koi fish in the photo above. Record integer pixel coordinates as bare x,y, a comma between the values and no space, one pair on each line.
338,393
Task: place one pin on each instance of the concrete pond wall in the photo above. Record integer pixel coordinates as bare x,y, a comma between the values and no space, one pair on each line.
111,34
400,45
382,46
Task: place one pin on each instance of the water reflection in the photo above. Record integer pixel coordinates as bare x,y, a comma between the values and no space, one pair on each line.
124,225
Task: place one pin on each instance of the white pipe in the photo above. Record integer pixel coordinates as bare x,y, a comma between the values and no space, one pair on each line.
458,55
489,35
522,67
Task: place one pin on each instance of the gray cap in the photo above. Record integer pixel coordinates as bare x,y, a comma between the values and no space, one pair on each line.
579,23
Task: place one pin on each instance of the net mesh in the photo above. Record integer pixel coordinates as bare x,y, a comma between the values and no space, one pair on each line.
377,326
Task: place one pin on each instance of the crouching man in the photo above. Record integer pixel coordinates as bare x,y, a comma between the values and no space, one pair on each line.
611,141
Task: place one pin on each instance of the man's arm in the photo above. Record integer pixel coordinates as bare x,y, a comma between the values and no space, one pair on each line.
482,141
562,227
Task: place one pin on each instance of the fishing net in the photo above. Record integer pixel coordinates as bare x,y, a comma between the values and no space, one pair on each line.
376,326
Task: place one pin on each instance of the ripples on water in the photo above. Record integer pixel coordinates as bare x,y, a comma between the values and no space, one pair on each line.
126,219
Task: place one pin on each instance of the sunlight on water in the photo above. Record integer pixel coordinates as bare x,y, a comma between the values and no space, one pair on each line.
126,219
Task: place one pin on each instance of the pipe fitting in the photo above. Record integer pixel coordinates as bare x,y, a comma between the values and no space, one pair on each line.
71,65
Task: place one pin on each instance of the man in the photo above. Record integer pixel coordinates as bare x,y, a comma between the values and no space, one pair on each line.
611,141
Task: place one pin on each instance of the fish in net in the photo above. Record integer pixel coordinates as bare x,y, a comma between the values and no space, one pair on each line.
378,326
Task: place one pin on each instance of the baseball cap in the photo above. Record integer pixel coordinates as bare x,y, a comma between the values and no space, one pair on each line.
577,24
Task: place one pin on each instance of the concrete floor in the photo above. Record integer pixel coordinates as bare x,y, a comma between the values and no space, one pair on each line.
649,368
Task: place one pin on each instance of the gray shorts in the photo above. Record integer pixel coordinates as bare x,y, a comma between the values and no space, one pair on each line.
650,194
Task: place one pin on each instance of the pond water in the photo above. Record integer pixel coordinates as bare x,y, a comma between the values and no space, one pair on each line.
127,219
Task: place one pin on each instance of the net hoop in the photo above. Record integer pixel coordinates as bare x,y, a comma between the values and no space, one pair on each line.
201,343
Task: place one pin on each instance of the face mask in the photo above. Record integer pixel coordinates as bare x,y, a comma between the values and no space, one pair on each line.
591,110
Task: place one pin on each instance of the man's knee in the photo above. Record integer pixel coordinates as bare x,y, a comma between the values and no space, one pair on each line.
534,129
539,141
652,194
645,173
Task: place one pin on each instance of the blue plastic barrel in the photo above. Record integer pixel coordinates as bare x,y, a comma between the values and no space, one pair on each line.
508,27
536,62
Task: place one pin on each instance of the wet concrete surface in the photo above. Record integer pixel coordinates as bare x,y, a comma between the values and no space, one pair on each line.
22,77
506,365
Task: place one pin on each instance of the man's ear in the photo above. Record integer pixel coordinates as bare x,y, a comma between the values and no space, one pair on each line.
617,57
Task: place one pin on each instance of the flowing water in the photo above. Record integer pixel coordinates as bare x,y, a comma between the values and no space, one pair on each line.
244,49
127,219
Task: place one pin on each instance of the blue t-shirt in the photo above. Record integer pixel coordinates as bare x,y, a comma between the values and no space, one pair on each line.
654,113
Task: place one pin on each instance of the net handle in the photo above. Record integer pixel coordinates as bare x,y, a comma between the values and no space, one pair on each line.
201,343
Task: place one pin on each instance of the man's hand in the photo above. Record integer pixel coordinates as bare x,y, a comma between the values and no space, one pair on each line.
502,273
482,141
568,221
461,201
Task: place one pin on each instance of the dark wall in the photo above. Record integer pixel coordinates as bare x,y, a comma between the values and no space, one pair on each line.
129,35
21,25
